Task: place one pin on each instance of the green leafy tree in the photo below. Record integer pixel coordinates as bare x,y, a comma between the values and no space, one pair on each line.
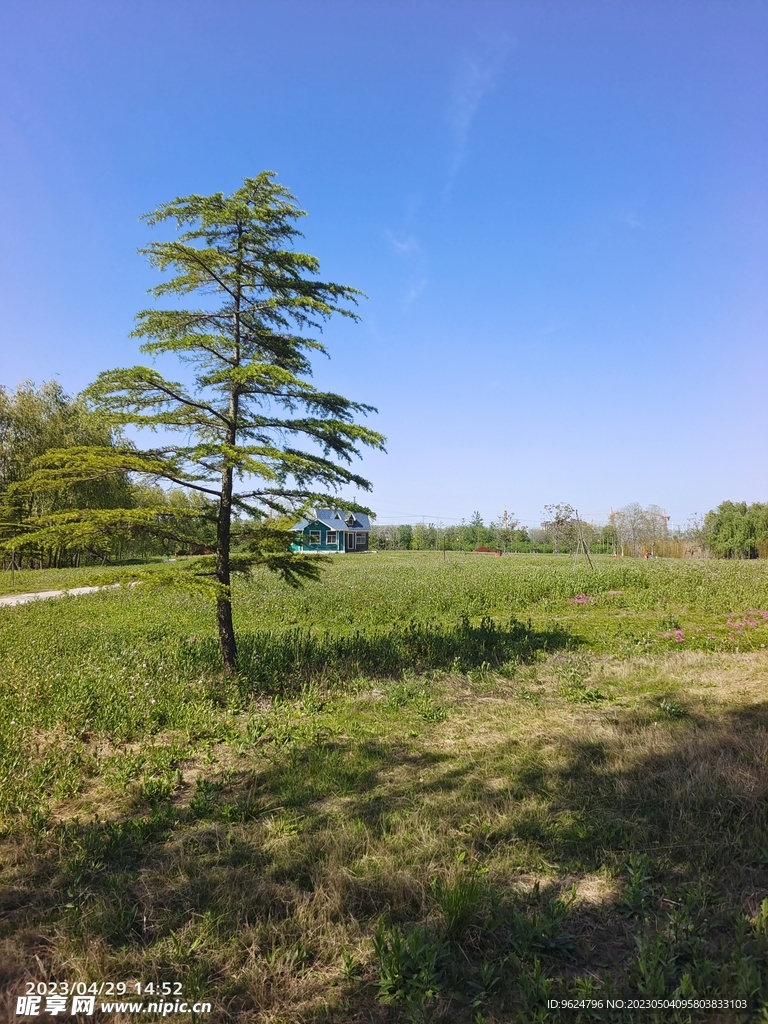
424,537
405,537
256,437
34,421
505,530
736,530
473,534
478,531
561,526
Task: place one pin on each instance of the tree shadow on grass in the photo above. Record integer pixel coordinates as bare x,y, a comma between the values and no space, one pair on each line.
284,662
261,891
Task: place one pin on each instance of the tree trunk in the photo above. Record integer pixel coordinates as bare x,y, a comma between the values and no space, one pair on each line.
227,640
224,602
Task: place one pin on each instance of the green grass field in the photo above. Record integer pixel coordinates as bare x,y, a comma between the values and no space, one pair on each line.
439,790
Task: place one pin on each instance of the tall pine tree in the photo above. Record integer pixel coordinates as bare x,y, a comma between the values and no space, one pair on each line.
255,436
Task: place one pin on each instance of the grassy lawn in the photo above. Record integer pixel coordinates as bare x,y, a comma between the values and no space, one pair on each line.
440,791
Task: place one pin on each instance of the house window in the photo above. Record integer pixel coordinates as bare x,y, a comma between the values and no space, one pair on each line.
314,536
362,540
330,537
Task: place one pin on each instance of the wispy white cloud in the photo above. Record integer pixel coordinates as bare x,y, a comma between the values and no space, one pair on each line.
630,220
415,290
612,225
403,246
409,251
477,75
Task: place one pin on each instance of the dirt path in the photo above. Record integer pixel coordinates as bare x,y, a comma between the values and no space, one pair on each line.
43,595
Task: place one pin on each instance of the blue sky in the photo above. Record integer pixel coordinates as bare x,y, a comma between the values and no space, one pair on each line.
558,211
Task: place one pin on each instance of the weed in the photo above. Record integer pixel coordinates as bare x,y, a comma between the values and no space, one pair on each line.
202,803
535,986
760,920
509,669
668,623
580,694
155,789
672,709
487,982
573,687
482,676
637,891
459,901
417,697
410,968
350,965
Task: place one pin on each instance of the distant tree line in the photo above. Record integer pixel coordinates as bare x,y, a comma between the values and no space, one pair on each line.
34,421
732,530
557,534
504,535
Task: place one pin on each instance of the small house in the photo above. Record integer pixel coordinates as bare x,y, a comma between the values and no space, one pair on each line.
327,530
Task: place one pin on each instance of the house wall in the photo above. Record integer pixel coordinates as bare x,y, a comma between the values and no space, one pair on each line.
324,544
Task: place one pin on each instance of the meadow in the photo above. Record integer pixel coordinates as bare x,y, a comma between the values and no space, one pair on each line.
439,790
